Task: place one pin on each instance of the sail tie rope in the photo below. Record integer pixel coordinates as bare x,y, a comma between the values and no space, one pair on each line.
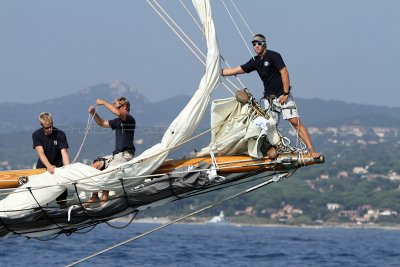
69,212
132,216
44,212
274,179
212,173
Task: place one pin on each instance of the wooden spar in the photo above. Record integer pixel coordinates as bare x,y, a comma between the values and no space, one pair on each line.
226,165
9,179
244,163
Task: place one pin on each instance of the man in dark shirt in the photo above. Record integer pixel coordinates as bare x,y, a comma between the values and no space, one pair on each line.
51,146
124,126
275,77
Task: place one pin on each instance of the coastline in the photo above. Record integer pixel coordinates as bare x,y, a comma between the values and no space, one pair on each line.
204,220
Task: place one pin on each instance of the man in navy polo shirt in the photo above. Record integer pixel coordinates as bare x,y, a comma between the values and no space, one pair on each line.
275,77
124,125
51,146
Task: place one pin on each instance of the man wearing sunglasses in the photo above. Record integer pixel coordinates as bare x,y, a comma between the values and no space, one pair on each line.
51,146
275,77
124,125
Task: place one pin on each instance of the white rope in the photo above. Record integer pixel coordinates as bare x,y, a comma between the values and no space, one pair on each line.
88,124
213,158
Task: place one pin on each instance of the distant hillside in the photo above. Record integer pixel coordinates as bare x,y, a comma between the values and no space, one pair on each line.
323,113
72,110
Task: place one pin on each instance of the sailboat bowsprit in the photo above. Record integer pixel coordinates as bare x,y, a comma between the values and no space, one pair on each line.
241,134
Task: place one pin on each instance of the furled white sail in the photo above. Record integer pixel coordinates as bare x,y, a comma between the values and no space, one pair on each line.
238,129
46,187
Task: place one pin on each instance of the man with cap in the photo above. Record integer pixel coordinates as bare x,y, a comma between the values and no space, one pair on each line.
275,77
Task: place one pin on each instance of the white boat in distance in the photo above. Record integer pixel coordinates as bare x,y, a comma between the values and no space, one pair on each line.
219,220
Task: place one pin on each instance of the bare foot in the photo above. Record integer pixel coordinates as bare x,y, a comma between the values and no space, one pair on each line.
103,203
271,153
315,154
93,199
104,197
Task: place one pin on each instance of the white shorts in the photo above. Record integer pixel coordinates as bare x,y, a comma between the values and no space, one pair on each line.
288,110
121,157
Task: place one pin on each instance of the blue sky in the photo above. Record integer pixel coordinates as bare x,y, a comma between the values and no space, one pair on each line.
335,50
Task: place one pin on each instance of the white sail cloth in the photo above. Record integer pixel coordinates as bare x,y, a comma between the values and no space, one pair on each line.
179,130
238,129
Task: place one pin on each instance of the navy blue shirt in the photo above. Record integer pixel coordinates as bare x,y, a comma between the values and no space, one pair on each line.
124,133
52,145
268,69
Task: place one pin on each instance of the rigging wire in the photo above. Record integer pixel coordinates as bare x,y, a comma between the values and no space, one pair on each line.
267,182
226,62
237,77
186,43
179,36
202,31
191,15
179,28
237,28
244,21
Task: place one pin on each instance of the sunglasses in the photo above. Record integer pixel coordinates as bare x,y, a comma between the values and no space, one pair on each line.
258,43
46,128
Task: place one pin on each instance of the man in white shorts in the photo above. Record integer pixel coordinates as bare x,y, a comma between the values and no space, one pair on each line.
275,76
124,125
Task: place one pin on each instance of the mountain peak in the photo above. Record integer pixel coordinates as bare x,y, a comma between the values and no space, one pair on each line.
120,88
110,91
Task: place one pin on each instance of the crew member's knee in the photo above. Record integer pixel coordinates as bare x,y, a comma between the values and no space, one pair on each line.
296,122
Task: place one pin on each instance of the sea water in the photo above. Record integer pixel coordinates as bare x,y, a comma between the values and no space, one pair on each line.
211,245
